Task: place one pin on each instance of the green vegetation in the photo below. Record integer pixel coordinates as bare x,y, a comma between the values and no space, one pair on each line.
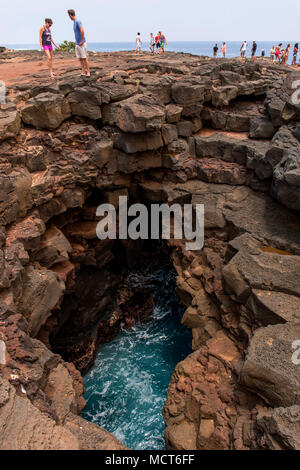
67,46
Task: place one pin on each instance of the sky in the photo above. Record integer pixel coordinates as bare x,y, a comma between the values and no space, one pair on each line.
180,20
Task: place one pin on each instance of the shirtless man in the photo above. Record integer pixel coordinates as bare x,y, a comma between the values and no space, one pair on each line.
80,49
162,41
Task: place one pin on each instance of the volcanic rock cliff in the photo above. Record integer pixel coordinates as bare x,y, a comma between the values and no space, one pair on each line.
178,128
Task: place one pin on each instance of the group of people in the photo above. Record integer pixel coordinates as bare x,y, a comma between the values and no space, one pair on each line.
223,50
47,42
281,55
157,43
243,49
278,54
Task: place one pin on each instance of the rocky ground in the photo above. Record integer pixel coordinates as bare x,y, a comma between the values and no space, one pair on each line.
178,128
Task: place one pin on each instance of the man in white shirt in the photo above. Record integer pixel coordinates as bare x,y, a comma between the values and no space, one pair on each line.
243,49
138,42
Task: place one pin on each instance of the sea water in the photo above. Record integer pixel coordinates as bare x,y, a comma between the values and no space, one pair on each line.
191,47
127,387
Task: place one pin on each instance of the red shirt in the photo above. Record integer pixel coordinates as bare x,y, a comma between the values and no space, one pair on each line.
157,39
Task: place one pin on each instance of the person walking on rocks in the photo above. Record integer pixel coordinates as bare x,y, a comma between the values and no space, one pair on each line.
272,53
80,48
157,43
152,43
254,49
215,49
295,54
224,49
277,52
243,49
285,54
46,42
162,41
138,42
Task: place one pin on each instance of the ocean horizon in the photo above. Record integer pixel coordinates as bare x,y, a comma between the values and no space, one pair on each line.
191,47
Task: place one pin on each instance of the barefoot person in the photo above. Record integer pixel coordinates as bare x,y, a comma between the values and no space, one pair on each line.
215,50
46,42
80,49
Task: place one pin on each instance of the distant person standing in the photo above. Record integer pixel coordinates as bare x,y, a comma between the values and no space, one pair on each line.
215,49
157,43
152,43
272,53
243,49
46,42
80,48
254,49
162,41
138,42
224,50
285,54
277,52
295,54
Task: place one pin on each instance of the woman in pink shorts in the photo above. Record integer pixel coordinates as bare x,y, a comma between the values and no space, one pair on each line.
46,42
277,52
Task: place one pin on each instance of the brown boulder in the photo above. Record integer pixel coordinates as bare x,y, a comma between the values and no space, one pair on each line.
185,93
54,248
86,101
269,369
46,111
142,142
139,113
10,122
42,291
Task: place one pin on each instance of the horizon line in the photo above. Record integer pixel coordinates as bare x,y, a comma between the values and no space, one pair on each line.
173,40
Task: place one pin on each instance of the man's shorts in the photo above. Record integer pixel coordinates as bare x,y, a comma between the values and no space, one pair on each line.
81,51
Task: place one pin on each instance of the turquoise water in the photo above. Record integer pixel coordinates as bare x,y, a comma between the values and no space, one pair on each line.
127,387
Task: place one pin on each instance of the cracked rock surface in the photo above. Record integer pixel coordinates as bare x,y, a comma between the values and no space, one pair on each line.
173,129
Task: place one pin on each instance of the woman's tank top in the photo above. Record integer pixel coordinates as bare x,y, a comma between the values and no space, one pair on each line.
46,37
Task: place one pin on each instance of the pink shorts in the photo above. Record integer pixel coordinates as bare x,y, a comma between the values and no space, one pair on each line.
48,48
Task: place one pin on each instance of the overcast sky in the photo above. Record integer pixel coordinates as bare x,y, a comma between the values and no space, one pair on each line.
182,20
